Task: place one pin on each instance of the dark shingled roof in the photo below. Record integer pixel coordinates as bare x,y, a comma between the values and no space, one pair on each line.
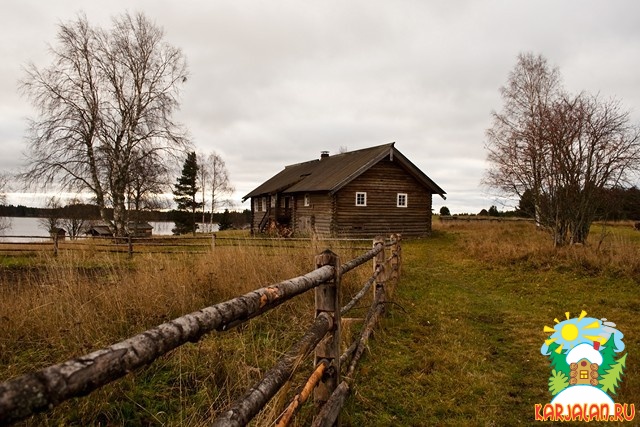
334,172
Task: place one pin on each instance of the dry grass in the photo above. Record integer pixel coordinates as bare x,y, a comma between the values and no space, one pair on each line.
612,248
53,309
464,350
460,346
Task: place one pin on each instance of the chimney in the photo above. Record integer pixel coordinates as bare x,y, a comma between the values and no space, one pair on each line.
324,155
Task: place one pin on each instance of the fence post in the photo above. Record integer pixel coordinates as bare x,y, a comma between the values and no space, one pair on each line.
55,244
130,243
327,299
213,241
396,260
379,261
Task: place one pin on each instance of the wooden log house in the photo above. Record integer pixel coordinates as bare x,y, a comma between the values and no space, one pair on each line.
359,193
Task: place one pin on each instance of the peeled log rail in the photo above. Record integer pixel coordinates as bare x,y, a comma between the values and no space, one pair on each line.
44,389
330,411
257,397
361,293
302,396
348,266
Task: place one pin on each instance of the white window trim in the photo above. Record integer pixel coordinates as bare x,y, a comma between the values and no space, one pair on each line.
406,200
361,193
307,200
263,204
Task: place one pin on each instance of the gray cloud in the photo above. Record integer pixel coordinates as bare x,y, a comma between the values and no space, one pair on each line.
274,83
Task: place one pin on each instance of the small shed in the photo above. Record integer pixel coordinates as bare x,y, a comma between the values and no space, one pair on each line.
58,234
99,230
139,229
359,193
134,228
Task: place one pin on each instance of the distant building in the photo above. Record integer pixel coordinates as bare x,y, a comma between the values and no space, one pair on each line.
59,233
99,230
134,228
139,229
359,193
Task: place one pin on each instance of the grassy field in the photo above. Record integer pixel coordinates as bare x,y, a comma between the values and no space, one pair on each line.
460,344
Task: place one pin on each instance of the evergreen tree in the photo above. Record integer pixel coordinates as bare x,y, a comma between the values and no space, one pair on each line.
526,205
611,379
184,192
558,360
225,221
608,357
444,211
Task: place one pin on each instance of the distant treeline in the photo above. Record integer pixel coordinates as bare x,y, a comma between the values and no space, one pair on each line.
616,204
92,212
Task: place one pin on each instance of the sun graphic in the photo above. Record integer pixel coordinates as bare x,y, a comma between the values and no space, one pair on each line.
571,332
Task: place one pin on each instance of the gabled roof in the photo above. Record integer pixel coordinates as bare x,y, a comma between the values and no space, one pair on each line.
334,172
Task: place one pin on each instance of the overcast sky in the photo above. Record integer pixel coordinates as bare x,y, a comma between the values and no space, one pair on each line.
276,82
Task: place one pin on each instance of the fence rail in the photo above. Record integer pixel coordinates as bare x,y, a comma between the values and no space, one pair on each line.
157,244
42,390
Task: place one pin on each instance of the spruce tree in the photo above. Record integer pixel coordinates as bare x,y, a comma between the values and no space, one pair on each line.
608,356
225,221
611,379
558,360
184,192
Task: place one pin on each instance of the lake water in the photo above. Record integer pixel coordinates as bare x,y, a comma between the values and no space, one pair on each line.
35,231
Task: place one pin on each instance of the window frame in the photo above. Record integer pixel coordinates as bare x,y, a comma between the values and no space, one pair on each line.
406,200
307,200
363,194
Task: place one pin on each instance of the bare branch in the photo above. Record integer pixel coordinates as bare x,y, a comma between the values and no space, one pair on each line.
105,108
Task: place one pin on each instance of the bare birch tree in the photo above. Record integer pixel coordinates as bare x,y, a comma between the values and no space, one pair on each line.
203,180
149,179
216,176
5,223
563,150
74,221
53,219
104,103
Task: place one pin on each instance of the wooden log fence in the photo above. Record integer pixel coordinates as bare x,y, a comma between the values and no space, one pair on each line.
42,390
200,244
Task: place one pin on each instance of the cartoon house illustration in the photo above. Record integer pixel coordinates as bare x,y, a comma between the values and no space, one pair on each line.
584,361
359,193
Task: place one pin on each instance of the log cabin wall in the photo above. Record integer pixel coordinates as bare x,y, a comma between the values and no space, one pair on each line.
381,215
314,218
259,208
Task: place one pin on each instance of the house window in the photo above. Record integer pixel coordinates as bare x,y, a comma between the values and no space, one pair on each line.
584,375
361,199
273,201
307,200
263,206
402,200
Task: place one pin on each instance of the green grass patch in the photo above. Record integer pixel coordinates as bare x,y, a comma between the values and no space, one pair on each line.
459,345
462,345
